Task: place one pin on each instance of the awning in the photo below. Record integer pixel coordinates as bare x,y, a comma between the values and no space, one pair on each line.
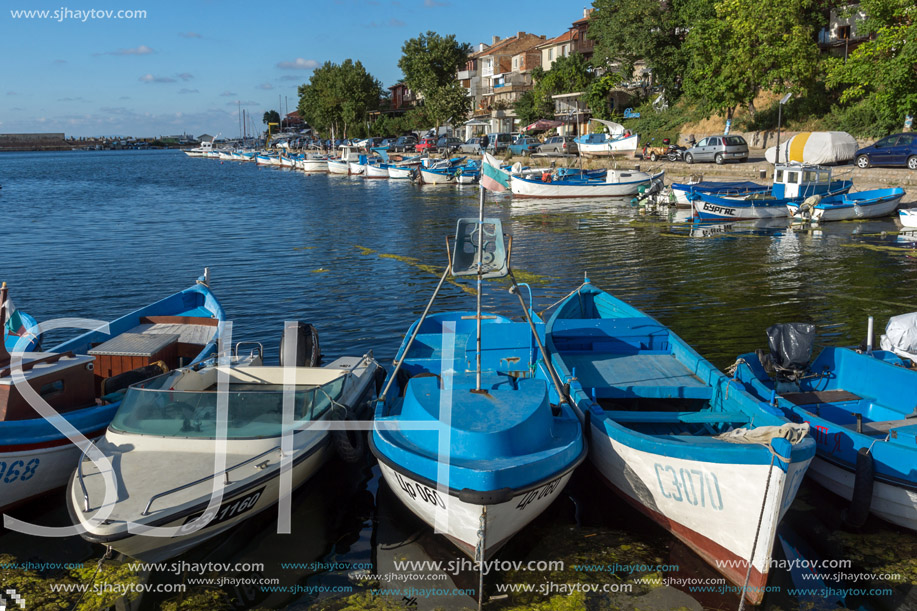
542,124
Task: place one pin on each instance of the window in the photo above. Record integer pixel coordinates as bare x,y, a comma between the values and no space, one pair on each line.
792,178
713,142
51,388
843,32
703,142
778,177
551,53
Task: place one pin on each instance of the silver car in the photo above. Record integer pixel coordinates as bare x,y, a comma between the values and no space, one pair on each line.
719,149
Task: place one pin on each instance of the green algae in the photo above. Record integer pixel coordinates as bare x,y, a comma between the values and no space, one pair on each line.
881,553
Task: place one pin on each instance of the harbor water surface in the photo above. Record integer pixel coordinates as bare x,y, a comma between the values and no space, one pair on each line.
98,234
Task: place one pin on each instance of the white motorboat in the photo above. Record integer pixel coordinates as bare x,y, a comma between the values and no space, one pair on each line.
204,150
313,164
163,449
616,141
341,165
908,217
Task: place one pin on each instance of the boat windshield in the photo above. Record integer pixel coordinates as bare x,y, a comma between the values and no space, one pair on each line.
254,411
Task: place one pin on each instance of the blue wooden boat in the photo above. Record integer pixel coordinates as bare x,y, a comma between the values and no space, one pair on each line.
464,433
793,184
863,413
725,188
661,425
874,203
80,384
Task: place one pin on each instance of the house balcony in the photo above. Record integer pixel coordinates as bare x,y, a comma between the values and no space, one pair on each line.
466,74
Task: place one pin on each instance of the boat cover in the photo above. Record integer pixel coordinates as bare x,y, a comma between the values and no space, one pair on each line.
816,148
901,336
791,344
791,431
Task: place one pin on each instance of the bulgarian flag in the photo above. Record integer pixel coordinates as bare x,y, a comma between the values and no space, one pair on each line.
492,177
15,325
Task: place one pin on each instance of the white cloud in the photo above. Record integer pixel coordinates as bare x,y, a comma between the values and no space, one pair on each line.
149,78
299,64
265,86
141,50
227,94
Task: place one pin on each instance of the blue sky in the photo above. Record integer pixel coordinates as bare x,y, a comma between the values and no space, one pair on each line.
184,68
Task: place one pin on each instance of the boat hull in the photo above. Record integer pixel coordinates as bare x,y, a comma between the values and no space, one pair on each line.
719,526
854,206
523,187
622,146
908,218
338,167
356,168
435,178
460,521
313,165
375,171
737,210
400,173
260,495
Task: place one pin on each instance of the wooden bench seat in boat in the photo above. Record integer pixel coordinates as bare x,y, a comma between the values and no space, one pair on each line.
638,333
618,376
677,417
882,427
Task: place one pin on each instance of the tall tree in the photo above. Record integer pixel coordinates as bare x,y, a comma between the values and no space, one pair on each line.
429,63
881,73
568,74
271,116
338,96
751,46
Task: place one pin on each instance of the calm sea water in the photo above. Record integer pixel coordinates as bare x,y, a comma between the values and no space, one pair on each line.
97,234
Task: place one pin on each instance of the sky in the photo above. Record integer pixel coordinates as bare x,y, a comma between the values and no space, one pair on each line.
185,66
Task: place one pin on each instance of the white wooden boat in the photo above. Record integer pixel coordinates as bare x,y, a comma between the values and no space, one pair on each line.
163,444
908,217
874,203
313,164
617,183
341,165
617,141
376,170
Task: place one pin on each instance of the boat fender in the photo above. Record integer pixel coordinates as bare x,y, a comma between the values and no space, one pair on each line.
308,353
379,376
348,443
486,497
862,490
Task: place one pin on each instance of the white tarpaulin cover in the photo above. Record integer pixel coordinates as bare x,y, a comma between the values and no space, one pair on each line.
901,336
615,129
815,147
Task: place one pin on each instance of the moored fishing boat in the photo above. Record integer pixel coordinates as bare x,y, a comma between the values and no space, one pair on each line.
908,217
163,448
341,164
476,454
617,183
313,164
83,381
736,189
861,407
793,183
662,425
616,141
874,203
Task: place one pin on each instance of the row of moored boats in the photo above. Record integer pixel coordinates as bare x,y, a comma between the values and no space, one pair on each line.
477,427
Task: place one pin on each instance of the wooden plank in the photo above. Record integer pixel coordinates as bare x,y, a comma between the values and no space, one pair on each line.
820,396
179,320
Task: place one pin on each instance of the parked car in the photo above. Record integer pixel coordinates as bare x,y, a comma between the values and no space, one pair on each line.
897,149
404,144
558,145
499,142
719,149
524,145
471,146
447,144
426,144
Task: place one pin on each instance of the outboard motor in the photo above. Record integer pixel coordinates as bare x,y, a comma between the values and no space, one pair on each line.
790,348
308,353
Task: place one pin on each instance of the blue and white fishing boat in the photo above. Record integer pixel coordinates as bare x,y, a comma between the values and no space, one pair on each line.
440,172
793,184
617,183
676,438
341,164
465,435
908,217
469,173
83,381
733,189
874,203
861,407
616,141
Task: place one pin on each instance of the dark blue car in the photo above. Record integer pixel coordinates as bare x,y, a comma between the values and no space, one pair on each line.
897,149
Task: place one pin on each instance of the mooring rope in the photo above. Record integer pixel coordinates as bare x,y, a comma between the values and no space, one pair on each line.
104,557
754,545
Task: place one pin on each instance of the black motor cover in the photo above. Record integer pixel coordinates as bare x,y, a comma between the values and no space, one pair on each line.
308,353
791,344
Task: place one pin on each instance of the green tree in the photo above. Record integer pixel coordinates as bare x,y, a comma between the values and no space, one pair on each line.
880,74
271,116
429,63
338,97
752,46
568,74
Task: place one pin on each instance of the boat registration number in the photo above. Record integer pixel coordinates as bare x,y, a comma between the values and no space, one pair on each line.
17,470
226,511
693,486
538,493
